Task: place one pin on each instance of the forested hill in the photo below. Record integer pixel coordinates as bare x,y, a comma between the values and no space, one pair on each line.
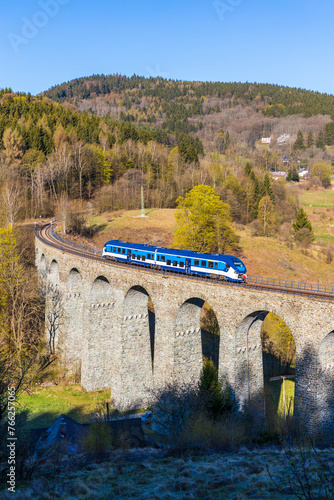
272,100
36,120
50,150
206,110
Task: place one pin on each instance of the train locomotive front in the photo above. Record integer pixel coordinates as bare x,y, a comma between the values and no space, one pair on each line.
226,267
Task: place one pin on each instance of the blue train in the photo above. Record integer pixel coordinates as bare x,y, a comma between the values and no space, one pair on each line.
212,265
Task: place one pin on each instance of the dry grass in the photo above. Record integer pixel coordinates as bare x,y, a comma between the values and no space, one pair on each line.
150,474
269,257
272,258
155,229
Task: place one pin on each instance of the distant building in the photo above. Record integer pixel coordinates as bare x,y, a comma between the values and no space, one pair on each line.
266,140
279,175
283,139
285,159
303,173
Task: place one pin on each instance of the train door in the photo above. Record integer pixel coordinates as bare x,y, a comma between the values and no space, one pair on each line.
129,255
188,264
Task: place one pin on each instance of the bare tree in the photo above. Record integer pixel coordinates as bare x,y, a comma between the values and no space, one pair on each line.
79,163
63,209
53,317
10,200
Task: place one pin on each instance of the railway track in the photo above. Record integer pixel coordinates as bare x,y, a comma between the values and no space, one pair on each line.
46,234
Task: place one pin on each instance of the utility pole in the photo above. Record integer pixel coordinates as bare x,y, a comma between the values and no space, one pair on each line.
142,201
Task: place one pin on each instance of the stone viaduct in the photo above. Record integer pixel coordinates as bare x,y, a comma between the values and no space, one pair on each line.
99,316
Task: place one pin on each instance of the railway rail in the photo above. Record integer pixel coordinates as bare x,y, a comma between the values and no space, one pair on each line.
46,235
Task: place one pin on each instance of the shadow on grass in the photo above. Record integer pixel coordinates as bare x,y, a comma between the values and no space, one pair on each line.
93,230
45,419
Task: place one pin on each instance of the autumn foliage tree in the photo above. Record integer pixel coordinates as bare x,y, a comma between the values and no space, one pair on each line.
203,222
323,171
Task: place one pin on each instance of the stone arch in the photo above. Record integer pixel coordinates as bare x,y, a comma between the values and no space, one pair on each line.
325,386
73,321
43,265
138,336
189,341
99,370
54,272
249,368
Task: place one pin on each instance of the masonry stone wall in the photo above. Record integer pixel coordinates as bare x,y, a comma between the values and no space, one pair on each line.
105,326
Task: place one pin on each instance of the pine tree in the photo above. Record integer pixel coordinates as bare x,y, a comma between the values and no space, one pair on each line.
293,175
216,397
299,144
248,169
329,129
302,221
310,140
320,140
268,188
227,140
256,198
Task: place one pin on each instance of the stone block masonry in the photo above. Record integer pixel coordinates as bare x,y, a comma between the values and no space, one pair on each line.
104,327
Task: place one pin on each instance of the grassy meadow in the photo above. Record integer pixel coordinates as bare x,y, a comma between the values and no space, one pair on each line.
45,404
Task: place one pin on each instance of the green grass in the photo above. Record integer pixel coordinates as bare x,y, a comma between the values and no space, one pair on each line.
46,404
326,238
319,198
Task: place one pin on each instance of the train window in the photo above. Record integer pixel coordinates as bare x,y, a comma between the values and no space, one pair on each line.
162,258
175,263
158,257
143,258
114,249
216,265
181,264
169,262
133,256
237,263
123,250
138,257
227,267
211,264
203,263
119,250
196,262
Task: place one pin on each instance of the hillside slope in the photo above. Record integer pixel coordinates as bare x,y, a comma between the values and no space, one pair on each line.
272,257
248,111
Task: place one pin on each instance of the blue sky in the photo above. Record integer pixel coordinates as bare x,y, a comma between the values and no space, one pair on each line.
46,42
